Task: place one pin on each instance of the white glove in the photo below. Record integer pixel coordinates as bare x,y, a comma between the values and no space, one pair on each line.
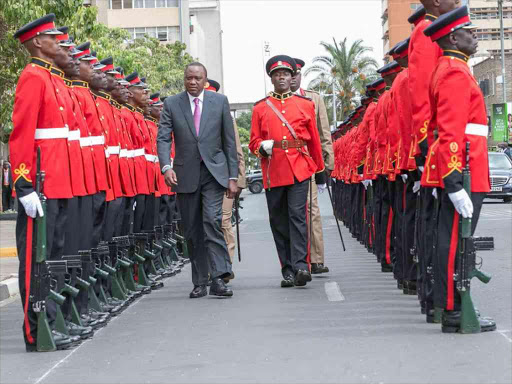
434,193
462,203
32,205
421,168
366,183
416,187
322,188
404,178
267,146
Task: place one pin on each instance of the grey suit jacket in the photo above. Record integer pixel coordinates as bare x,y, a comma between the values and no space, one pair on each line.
215,144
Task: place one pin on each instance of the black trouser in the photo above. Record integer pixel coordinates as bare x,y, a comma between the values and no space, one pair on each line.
78,225
408,232
379,184
427,245
151,212
201,216
56,217
113,219
99,208
446,295
287,209
127,216
7,200
398,221
167,209
138,212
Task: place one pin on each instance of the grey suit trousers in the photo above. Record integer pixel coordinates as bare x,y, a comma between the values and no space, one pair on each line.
201,215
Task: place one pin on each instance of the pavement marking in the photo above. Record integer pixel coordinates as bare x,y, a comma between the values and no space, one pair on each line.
333,292
8,252
502,333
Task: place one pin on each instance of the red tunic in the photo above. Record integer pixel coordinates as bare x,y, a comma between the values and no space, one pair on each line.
287,165
36,107
381,140
423,55
96,139
137,139
75,153
125,161
153,132
459,112
87,157
368,164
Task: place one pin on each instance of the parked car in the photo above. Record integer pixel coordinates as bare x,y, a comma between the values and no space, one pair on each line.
255,181
500,169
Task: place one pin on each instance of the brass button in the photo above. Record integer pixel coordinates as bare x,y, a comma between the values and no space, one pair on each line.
284,125
286,150
57,90
283,111
284,137
61,108
97,105
433,167
282,101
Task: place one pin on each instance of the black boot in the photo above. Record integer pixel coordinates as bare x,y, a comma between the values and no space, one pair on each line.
219,288
451,322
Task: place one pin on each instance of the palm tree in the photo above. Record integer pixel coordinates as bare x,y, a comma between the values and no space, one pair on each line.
346,69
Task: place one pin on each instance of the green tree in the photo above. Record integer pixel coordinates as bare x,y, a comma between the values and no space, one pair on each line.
348,69
161,64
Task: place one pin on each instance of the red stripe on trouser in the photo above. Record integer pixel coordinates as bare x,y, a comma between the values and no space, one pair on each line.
388,236
451,261
28,274
308,257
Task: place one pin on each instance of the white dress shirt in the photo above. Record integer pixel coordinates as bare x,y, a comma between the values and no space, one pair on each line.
193,104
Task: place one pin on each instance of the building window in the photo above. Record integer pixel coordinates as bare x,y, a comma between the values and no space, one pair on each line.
415,6
171,34
124,4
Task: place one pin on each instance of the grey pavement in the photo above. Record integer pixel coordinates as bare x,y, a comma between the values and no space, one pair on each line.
349,326
7,233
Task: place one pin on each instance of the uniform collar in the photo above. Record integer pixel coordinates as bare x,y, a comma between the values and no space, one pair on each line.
430,17
130,107
279,96
80,83
68,82
456,55
101,94
57,72
140,110
115,104
41,63
150,118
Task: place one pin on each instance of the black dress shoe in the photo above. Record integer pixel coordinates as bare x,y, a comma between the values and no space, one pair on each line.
219,288
386,268
410,288
400,284
198,291
302,277
288,281
317,268
451,322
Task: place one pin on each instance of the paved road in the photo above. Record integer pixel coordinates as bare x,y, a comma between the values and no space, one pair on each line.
350,326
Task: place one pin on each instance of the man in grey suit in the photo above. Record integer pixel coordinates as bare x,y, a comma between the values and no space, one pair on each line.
205,168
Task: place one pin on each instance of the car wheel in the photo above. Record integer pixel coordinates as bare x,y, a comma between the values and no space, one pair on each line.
507,199
256,187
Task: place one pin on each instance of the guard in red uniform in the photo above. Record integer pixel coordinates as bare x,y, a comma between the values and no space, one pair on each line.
139,135
459,113
285,136
423,56
94,139
39,121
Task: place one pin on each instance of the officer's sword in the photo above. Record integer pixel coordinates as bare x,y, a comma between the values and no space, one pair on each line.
334,213
237,205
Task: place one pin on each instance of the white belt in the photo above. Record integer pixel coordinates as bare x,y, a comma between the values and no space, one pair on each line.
74,135
138,152
97,140
150,158
113,150
477,130
123,153
51,133
131,153
85,142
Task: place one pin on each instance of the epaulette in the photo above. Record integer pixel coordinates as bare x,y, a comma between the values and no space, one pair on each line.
259,101
305,97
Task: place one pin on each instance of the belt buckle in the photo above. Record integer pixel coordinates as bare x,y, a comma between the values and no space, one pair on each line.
284,144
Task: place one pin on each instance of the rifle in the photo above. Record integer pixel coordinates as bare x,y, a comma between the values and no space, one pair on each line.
334,212
41,285
466,264
58,270
75,280
415,249
237,214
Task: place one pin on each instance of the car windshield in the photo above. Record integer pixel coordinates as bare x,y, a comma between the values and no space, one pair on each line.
499,161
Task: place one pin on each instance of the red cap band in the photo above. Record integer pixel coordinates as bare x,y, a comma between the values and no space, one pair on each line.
63,37
135,81
391,71
34,32
281,64
448,29
84,53
108,67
